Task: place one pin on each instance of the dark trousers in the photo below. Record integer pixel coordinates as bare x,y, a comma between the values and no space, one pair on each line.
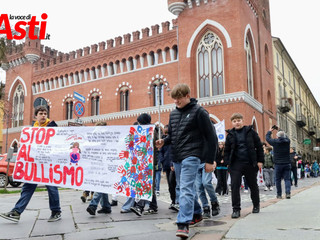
171,180
283,171
295,177
222,186
237,170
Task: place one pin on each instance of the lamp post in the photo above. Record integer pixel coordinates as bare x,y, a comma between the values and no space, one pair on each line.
160,84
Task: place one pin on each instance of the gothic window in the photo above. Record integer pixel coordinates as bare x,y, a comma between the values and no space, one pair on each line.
69,108
157,89
95,104
210,72
18,106
124,99
249,67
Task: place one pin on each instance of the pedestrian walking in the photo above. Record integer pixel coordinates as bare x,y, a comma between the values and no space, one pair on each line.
244,154
282,163
268,169
222,172
190,131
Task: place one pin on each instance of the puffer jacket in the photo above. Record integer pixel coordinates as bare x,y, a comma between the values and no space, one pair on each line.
190,131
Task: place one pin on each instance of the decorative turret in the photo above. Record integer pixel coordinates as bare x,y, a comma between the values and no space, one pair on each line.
176,6
32,47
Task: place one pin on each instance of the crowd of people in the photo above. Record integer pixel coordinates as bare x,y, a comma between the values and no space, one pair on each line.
188,153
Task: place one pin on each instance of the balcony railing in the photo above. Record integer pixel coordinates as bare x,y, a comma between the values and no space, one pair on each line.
285,105
301,120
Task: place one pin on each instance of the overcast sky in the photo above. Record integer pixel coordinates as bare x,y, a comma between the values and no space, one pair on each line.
76,24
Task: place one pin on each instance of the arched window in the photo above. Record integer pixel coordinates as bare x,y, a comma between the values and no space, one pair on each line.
15,146
210,66
157,89
18,106
95,104
269,101
124,99
41,102
249,68
266,58
69,108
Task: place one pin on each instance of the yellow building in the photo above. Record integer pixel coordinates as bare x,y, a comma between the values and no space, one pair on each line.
298,112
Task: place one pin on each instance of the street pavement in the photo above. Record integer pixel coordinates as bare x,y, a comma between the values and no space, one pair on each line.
295,218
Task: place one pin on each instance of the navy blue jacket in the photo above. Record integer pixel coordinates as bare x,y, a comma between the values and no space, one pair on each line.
165,157
281,149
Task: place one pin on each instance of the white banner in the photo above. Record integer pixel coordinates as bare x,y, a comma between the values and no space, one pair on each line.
109,159
221,131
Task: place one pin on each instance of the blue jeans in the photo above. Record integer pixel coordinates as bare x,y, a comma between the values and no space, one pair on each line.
158,179
97,196
27,192
177,170
186,172
128,204
204,182
283,171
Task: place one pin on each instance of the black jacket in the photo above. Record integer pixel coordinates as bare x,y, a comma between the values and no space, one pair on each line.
281,149
253,144
190,131
164,157
293,160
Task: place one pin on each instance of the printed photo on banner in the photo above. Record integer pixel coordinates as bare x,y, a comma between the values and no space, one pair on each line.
110,159
221,131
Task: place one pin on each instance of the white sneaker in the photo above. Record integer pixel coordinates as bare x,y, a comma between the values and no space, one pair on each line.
266,189
271,189
246,191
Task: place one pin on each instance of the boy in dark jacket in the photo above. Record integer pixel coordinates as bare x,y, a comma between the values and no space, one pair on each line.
244,154
165,159
41,114
190,130
281,158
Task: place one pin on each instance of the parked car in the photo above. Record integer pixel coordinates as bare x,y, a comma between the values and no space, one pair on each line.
3,170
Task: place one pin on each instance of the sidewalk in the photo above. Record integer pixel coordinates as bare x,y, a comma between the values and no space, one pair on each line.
279,219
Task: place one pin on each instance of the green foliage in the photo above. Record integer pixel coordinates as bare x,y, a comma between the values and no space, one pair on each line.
3,49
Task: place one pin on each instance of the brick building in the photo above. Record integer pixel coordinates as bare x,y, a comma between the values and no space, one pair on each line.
221,48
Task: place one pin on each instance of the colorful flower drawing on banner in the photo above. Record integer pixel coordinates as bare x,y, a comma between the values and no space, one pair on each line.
136,173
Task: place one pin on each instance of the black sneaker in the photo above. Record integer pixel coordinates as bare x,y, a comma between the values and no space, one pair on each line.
104,210
183,231
256,209
114,203
195,220
206,212
235,214
279,196
55,216
215,208
150,211
136,210
91,210
175,207
288,196
13,215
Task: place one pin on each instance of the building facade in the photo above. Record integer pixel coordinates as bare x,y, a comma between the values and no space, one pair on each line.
221,48
298,112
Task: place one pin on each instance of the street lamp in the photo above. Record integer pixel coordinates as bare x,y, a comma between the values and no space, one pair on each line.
160,84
